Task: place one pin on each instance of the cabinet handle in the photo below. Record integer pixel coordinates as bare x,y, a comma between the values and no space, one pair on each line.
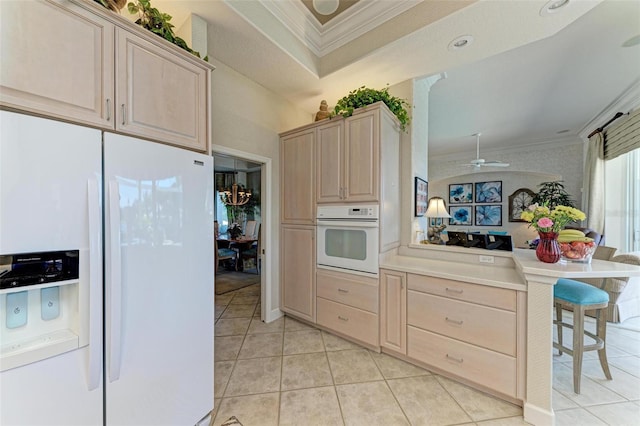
123,114
343,318
458,322
108,109
341,290
453,358
454,290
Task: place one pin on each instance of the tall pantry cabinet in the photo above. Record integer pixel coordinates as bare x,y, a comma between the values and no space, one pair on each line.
334,161
297,230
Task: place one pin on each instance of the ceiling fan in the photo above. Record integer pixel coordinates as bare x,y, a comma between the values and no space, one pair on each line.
481,162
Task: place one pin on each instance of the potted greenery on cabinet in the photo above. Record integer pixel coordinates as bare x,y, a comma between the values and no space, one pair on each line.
364,96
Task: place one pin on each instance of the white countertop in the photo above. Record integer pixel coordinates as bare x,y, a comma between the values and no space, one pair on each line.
527,263
489,275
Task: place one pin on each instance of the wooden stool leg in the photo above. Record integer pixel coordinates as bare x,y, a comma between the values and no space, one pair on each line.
559,325
601,332
578,345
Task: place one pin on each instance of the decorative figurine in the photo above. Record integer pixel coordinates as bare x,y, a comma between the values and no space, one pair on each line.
323,113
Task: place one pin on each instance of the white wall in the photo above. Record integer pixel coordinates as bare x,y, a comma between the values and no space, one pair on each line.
248,118
529,166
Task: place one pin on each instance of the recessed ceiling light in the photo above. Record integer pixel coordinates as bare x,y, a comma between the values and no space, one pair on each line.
460,42
325,7
633,41
552,7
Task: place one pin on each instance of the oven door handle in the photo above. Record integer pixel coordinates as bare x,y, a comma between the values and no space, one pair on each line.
348,224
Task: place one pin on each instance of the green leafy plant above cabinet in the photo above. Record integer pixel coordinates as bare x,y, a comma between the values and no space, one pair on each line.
151,19
364,96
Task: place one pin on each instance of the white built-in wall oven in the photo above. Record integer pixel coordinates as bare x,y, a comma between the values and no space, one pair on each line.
347,238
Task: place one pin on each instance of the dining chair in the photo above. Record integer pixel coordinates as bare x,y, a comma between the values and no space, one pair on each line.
250,228
223,254
252,254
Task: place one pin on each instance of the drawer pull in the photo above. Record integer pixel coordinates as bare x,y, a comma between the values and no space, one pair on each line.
457,322
453,358
341,290
343,318
454,290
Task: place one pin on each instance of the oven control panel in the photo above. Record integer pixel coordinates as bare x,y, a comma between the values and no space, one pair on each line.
348,212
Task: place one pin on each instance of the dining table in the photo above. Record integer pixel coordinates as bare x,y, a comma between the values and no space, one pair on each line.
239,245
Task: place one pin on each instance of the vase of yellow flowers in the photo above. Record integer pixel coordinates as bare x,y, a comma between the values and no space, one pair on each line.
548,222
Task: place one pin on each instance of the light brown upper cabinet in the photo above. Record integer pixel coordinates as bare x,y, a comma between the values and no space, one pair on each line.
160,95
297,185
57,61
76,61
348,154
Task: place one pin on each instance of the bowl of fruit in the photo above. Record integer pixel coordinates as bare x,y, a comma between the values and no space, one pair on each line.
575,247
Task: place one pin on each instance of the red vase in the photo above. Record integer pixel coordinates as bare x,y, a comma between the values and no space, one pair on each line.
548,249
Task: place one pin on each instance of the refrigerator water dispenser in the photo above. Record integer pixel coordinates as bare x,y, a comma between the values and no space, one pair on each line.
43,305
16,306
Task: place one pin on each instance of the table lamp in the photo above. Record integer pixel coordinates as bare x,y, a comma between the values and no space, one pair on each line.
436,209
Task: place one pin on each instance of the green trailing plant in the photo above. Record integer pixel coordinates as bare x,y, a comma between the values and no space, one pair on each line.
158,23
553,194
364,96
151,19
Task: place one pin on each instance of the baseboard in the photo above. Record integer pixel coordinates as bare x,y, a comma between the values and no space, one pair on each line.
538,416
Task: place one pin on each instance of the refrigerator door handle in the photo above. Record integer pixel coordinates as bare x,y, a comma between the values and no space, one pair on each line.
114,285
95,287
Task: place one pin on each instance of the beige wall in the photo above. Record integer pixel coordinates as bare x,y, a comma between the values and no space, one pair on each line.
246,117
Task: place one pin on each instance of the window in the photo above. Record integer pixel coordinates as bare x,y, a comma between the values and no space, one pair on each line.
622,202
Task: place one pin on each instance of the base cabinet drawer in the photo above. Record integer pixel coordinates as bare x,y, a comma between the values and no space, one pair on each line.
353,290
500,298
353,322
491,369
490,328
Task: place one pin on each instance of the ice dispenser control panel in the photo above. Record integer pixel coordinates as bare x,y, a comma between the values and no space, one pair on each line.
26,269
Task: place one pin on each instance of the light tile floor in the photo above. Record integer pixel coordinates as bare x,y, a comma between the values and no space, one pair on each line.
288,373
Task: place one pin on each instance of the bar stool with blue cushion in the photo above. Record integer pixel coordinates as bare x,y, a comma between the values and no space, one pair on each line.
581,297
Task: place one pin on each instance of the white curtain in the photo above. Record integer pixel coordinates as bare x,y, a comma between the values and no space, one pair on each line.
594,183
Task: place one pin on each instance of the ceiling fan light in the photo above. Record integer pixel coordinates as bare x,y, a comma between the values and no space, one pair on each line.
326,7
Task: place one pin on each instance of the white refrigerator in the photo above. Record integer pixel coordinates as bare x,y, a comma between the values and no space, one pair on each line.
130,341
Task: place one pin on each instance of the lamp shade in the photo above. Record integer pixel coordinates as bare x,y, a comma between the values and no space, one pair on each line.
437,208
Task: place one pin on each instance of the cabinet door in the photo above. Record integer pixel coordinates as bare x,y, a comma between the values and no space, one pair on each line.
330,155
160,95
297,269
57,61
362,157
393,310
298,197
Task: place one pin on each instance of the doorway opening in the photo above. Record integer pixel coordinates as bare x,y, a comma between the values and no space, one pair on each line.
254,173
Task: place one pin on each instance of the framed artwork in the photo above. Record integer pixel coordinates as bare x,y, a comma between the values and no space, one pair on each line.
489,192
518,202
460,215
489,215
460,193
435,221
421,189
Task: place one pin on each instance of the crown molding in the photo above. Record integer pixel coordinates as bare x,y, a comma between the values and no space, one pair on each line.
628,101
354,22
